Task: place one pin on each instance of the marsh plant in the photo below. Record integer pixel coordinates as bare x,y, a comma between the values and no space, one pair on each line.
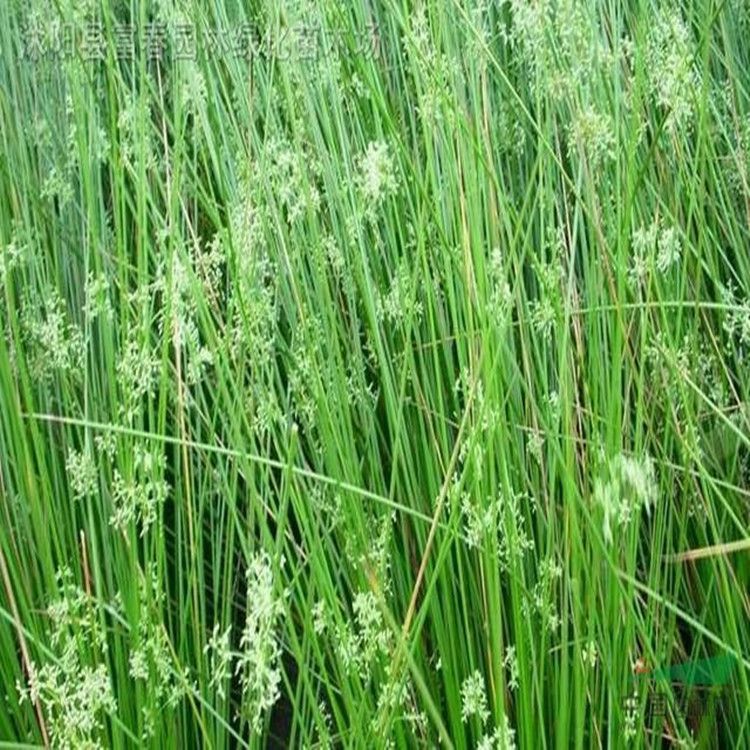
373,375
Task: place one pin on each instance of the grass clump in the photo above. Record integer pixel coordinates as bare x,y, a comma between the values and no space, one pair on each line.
374,374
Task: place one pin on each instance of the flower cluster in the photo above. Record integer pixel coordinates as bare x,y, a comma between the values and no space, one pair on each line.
306,374
559,44
629,485
74,698
400,302
183,318
671,71
545,308
376,176
73,687
82,474
474,698
192,87
11,257
138,498
510,662
54,344
359,644
590,655
500,297
503,738
434,67
98,303
397,696
150,660
592,136
373,635
253,323
292,171
137,368
736,322
501,517
260,648
543,600
654,247
630,717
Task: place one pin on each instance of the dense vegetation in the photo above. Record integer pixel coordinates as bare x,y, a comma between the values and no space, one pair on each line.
374,374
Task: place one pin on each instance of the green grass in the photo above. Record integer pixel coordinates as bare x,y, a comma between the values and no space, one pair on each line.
384,387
